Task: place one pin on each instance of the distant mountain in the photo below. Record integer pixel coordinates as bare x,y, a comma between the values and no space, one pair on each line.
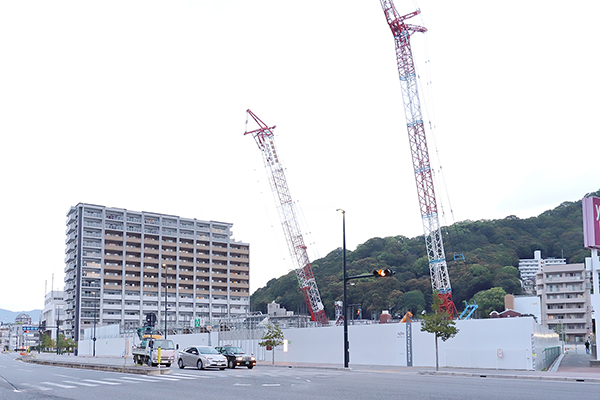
8,317
491,250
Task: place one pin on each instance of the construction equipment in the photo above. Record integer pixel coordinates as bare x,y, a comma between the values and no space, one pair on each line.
287,212
469,310
438,270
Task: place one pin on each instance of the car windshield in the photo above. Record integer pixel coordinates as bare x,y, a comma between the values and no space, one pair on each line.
207,350
164,344
234,350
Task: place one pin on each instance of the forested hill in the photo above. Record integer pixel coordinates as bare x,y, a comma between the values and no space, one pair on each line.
492,249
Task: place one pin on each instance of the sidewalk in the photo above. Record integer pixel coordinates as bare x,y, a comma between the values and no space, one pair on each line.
570,367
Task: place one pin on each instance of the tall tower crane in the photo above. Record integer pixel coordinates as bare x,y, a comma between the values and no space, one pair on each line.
264,138
438,269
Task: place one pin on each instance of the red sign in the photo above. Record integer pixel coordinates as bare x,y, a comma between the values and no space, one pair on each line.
591,222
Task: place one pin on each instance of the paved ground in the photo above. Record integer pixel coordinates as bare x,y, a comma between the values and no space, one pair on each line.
571,366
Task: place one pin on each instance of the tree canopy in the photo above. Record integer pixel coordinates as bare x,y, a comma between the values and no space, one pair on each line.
491,249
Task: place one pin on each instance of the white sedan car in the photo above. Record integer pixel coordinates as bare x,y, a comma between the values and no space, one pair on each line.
201,357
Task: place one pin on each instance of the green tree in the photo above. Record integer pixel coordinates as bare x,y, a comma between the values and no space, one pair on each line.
47,342
272,338
413,301
490,300
439,323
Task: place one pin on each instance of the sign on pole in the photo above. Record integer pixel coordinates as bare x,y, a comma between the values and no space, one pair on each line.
591,222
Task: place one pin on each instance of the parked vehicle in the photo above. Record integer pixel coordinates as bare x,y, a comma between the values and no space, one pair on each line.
147,351
237,357
201,357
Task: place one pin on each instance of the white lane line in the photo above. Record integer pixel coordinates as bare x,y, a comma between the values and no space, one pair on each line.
80,383
58,385
35,387
271,384
101,382
242,384
24,370
62,376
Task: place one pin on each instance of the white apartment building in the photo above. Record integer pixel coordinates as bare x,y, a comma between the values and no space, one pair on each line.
53,312
528,269
565,296
121,263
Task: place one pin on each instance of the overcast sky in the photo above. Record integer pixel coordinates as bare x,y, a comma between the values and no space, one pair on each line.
142,105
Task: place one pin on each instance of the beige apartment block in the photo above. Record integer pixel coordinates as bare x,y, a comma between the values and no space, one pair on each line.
120,264
565,294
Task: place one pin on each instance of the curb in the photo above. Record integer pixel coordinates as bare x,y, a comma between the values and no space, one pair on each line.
99,367
305,366
509,376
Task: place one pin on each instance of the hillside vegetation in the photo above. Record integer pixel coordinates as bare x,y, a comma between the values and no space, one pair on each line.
492,249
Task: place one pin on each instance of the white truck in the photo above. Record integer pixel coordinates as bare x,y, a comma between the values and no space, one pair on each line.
149,350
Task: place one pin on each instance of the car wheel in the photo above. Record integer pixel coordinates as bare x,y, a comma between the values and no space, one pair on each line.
222,368
250,366
230,364
180,363
168,365
200,365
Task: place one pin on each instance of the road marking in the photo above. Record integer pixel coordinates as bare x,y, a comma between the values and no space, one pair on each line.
242,384
101,382
24,370
80,383
58,385
271,384
165,378
120,380
182,376
62,376
140,379
36,387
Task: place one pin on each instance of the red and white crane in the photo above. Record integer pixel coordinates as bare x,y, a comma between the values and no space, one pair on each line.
438,269
264,138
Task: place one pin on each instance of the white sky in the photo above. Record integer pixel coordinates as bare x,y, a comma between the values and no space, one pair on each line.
141,105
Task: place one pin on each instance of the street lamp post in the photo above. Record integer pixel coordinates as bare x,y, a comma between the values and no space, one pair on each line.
345,306
57,330
95,316
165,265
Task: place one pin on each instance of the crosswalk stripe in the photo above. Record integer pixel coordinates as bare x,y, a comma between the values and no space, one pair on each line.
101,382
36,387
122,380
140,379
58,385
80,383
182,376
165,378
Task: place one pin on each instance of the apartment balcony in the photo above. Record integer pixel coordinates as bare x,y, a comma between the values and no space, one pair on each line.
131,317
187,246
148,250
132,239
113,246
109,286
239,285
186,263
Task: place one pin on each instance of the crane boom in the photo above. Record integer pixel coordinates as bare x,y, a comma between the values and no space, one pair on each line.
438,269
264,138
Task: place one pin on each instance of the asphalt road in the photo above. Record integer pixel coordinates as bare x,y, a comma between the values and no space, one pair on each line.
20,380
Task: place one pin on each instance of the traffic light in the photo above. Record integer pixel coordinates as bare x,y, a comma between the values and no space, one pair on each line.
383,272
358,313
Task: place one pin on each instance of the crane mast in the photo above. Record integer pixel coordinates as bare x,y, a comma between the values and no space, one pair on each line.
438,269
264,138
